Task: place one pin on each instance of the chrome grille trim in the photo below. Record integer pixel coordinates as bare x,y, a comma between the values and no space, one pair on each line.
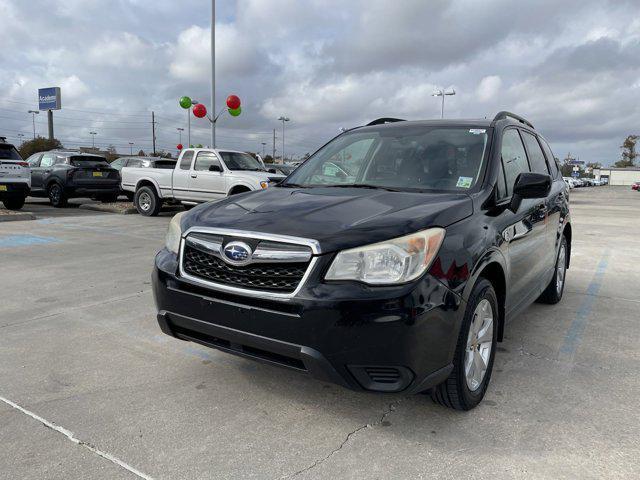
267,255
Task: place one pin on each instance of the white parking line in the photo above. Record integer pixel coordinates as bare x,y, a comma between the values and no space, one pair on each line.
69,434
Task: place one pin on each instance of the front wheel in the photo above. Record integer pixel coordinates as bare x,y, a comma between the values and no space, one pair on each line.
475,351
147,202
56,195
14,203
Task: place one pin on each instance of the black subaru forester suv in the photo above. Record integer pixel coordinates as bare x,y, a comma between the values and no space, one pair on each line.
390,261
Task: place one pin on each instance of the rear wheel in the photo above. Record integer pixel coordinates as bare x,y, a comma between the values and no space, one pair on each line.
56,195
13,203
553,293
475,351
147,202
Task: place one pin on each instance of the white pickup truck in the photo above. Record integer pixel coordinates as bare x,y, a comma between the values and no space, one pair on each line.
200,175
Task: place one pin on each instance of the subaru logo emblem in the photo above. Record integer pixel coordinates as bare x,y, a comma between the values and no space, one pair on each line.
237,253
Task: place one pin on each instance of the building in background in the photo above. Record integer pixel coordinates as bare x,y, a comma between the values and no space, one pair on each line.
618,176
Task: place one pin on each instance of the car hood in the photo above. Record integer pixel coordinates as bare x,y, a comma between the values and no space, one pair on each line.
337,218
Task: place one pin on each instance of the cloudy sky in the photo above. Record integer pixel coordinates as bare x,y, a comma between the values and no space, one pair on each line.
572,67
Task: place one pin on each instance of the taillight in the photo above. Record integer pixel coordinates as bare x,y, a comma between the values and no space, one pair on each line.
23,164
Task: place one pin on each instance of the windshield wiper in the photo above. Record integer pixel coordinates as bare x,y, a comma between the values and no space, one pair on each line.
366,185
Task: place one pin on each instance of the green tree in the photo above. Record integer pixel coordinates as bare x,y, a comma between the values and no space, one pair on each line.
268,159
629,153
38,144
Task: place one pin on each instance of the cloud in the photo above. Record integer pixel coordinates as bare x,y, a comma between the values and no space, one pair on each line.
488,88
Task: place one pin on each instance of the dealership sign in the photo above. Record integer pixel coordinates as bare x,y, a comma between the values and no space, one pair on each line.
49,98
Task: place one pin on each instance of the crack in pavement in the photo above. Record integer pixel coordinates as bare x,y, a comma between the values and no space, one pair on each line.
523,352
390,409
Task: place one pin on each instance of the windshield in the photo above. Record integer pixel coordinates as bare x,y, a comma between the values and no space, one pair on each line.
399,158
88,162
240,161
9,152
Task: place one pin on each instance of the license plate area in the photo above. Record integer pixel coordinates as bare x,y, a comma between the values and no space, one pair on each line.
97,174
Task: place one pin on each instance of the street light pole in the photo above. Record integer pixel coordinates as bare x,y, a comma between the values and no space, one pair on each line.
263,145
131,148
93,139
33,118
443,93
180,130
283,119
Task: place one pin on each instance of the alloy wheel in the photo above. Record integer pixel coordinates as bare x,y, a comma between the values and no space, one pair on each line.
145,201
479,344
561,269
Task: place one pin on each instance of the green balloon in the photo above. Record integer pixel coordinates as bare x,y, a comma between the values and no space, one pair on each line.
185,102
234,112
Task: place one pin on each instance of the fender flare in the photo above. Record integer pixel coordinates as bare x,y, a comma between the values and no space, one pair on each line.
147,180
240,184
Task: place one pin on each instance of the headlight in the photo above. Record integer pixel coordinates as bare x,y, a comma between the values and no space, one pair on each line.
264,184
172,240
391,262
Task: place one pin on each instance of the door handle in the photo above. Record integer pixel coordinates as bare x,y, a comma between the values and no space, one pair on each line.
194,175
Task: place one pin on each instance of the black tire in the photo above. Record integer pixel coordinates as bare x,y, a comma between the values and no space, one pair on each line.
147,202
237,190
13,203
56,195
553,293
455,392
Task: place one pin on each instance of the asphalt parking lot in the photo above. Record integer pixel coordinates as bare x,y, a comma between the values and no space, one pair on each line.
80,350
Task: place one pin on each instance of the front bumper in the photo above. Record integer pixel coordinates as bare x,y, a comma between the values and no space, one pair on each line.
387,339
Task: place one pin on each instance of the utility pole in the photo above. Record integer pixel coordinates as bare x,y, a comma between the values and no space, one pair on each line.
153,131
93,139
274,145
283,119
213,71
33,118
442,93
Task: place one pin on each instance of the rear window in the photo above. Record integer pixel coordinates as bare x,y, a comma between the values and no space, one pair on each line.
9,152
166,164
88,162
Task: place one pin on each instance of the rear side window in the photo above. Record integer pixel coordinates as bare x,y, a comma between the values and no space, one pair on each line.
9,152
204,160
34,160
536,157
551,159
134,162
185,162
514,158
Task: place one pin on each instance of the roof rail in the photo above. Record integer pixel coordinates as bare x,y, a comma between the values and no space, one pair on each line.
504,114
383,120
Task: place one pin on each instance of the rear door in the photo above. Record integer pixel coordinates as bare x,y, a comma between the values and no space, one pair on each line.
182,177
525,230
39,175
206,185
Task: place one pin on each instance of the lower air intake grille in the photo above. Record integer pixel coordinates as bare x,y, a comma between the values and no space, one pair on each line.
382,378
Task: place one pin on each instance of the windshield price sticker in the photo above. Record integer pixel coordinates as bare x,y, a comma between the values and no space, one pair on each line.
477,131
464,182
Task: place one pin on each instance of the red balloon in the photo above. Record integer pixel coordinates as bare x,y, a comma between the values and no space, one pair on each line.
199,110
233,102
179,146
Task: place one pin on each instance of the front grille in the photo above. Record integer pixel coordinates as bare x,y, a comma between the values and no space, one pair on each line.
273,277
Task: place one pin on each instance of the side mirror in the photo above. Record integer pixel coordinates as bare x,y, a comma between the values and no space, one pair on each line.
215,168
530,185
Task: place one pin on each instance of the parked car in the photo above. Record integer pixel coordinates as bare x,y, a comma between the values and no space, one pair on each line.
142,162
570,182
399,276
201,175
61,175
635,186
281,169
15,178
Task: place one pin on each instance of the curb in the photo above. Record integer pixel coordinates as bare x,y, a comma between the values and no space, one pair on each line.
108,209
15,217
